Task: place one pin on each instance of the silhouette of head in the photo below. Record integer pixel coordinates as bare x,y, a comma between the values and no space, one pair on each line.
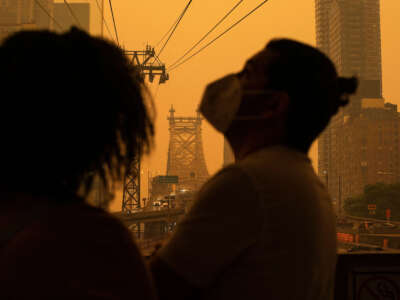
73,107
305,92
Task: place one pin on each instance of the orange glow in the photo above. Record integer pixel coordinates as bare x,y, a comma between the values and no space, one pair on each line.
142,22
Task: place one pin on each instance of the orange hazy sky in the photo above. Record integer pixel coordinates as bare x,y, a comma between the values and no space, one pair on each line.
145,22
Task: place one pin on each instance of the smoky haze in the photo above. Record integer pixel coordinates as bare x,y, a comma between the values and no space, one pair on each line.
144,22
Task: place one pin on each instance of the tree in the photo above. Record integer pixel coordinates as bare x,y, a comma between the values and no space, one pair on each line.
384,196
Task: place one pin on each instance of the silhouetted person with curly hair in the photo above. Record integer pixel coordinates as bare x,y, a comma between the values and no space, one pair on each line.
73,109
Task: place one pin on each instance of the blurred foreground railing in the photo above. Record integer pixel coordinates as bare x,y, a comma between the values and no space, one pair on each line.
149,246
366,275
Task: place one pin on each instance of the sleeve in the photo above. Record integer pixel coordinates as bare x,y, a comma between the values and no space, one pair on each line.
225,220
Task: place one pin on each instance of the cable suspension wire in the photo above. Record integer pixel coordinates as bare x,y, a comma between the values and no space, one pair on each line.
176,26
71,11
169,30
48,14
207,34
219,36
104,20
113,18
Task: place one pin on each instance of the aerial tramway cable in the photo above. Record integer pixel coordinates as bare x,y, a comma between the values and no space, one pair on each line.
169,30
219,36
48,14
113,18
206,35
72,13
175,26
104,20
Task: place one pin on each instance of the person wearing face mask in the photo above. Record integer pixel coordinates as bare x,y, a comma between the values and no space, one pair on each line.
264,227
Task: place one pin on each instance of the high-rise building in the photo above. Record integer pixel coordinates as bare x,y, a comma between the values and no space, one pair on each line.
18,15
322,34
322,23
354,43
348,31
369,147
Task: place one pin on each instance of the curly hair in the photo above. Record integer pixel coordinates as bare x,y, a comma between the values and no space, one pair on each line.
73,108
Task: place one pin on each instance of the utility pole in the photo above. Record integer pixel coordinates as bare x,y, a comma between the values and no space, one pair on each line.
131,196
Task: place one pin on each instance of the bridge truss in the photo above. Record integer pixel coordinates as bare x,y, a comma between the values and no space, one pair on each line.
185,153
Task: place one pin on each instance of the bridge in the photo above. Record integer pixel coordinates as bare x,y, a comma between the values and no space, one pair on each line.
371,220
148,215
151,225
362,267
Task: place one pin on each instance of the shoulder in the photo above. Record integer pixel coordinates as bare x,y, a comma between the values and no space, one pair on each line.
232,182
81,250
279,165
77,229
82,220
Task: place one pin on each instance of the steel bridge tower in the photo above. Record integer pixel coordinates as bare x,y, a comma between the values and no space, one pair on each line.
185,153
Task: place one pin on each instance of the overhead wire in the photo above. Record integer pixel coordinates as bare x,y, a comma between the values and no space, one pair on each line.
165,35
113,18
104,20
207,34
48,14
72,13
219,36
175,26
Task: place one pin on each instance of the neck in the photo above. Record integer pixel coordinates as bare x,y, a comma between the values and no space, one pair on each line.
245,149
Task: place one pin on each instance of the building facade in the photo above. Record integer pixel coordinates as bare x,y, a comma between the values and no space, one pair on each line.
322,24
369,148
81,11
16,15
348,31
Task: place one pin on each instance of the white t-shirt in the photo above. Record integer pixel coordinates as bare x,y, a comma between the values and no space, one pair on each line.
263,228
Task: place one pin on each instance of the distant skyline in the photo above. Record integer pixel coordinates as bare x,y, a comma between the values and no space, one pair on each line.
142,22
349,33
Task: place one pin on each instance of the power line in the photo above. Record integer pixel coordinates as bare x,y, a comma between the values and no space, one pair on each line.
115,26
176,25
104,20
48,14
72,13
219,36
207,34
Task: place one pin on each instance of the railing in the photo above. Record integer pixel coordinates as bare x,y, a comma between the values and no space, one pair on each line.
369,220
364,276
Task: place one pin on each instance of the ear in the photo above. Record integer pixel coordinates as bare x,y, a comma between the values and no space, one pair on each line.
277,106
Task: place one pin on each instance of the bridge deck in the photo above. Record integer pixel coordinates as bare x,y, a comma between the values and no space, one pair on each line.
152,214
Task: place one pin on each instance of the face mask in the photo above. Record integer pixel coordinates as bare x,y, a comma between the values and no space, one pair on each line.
221,102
